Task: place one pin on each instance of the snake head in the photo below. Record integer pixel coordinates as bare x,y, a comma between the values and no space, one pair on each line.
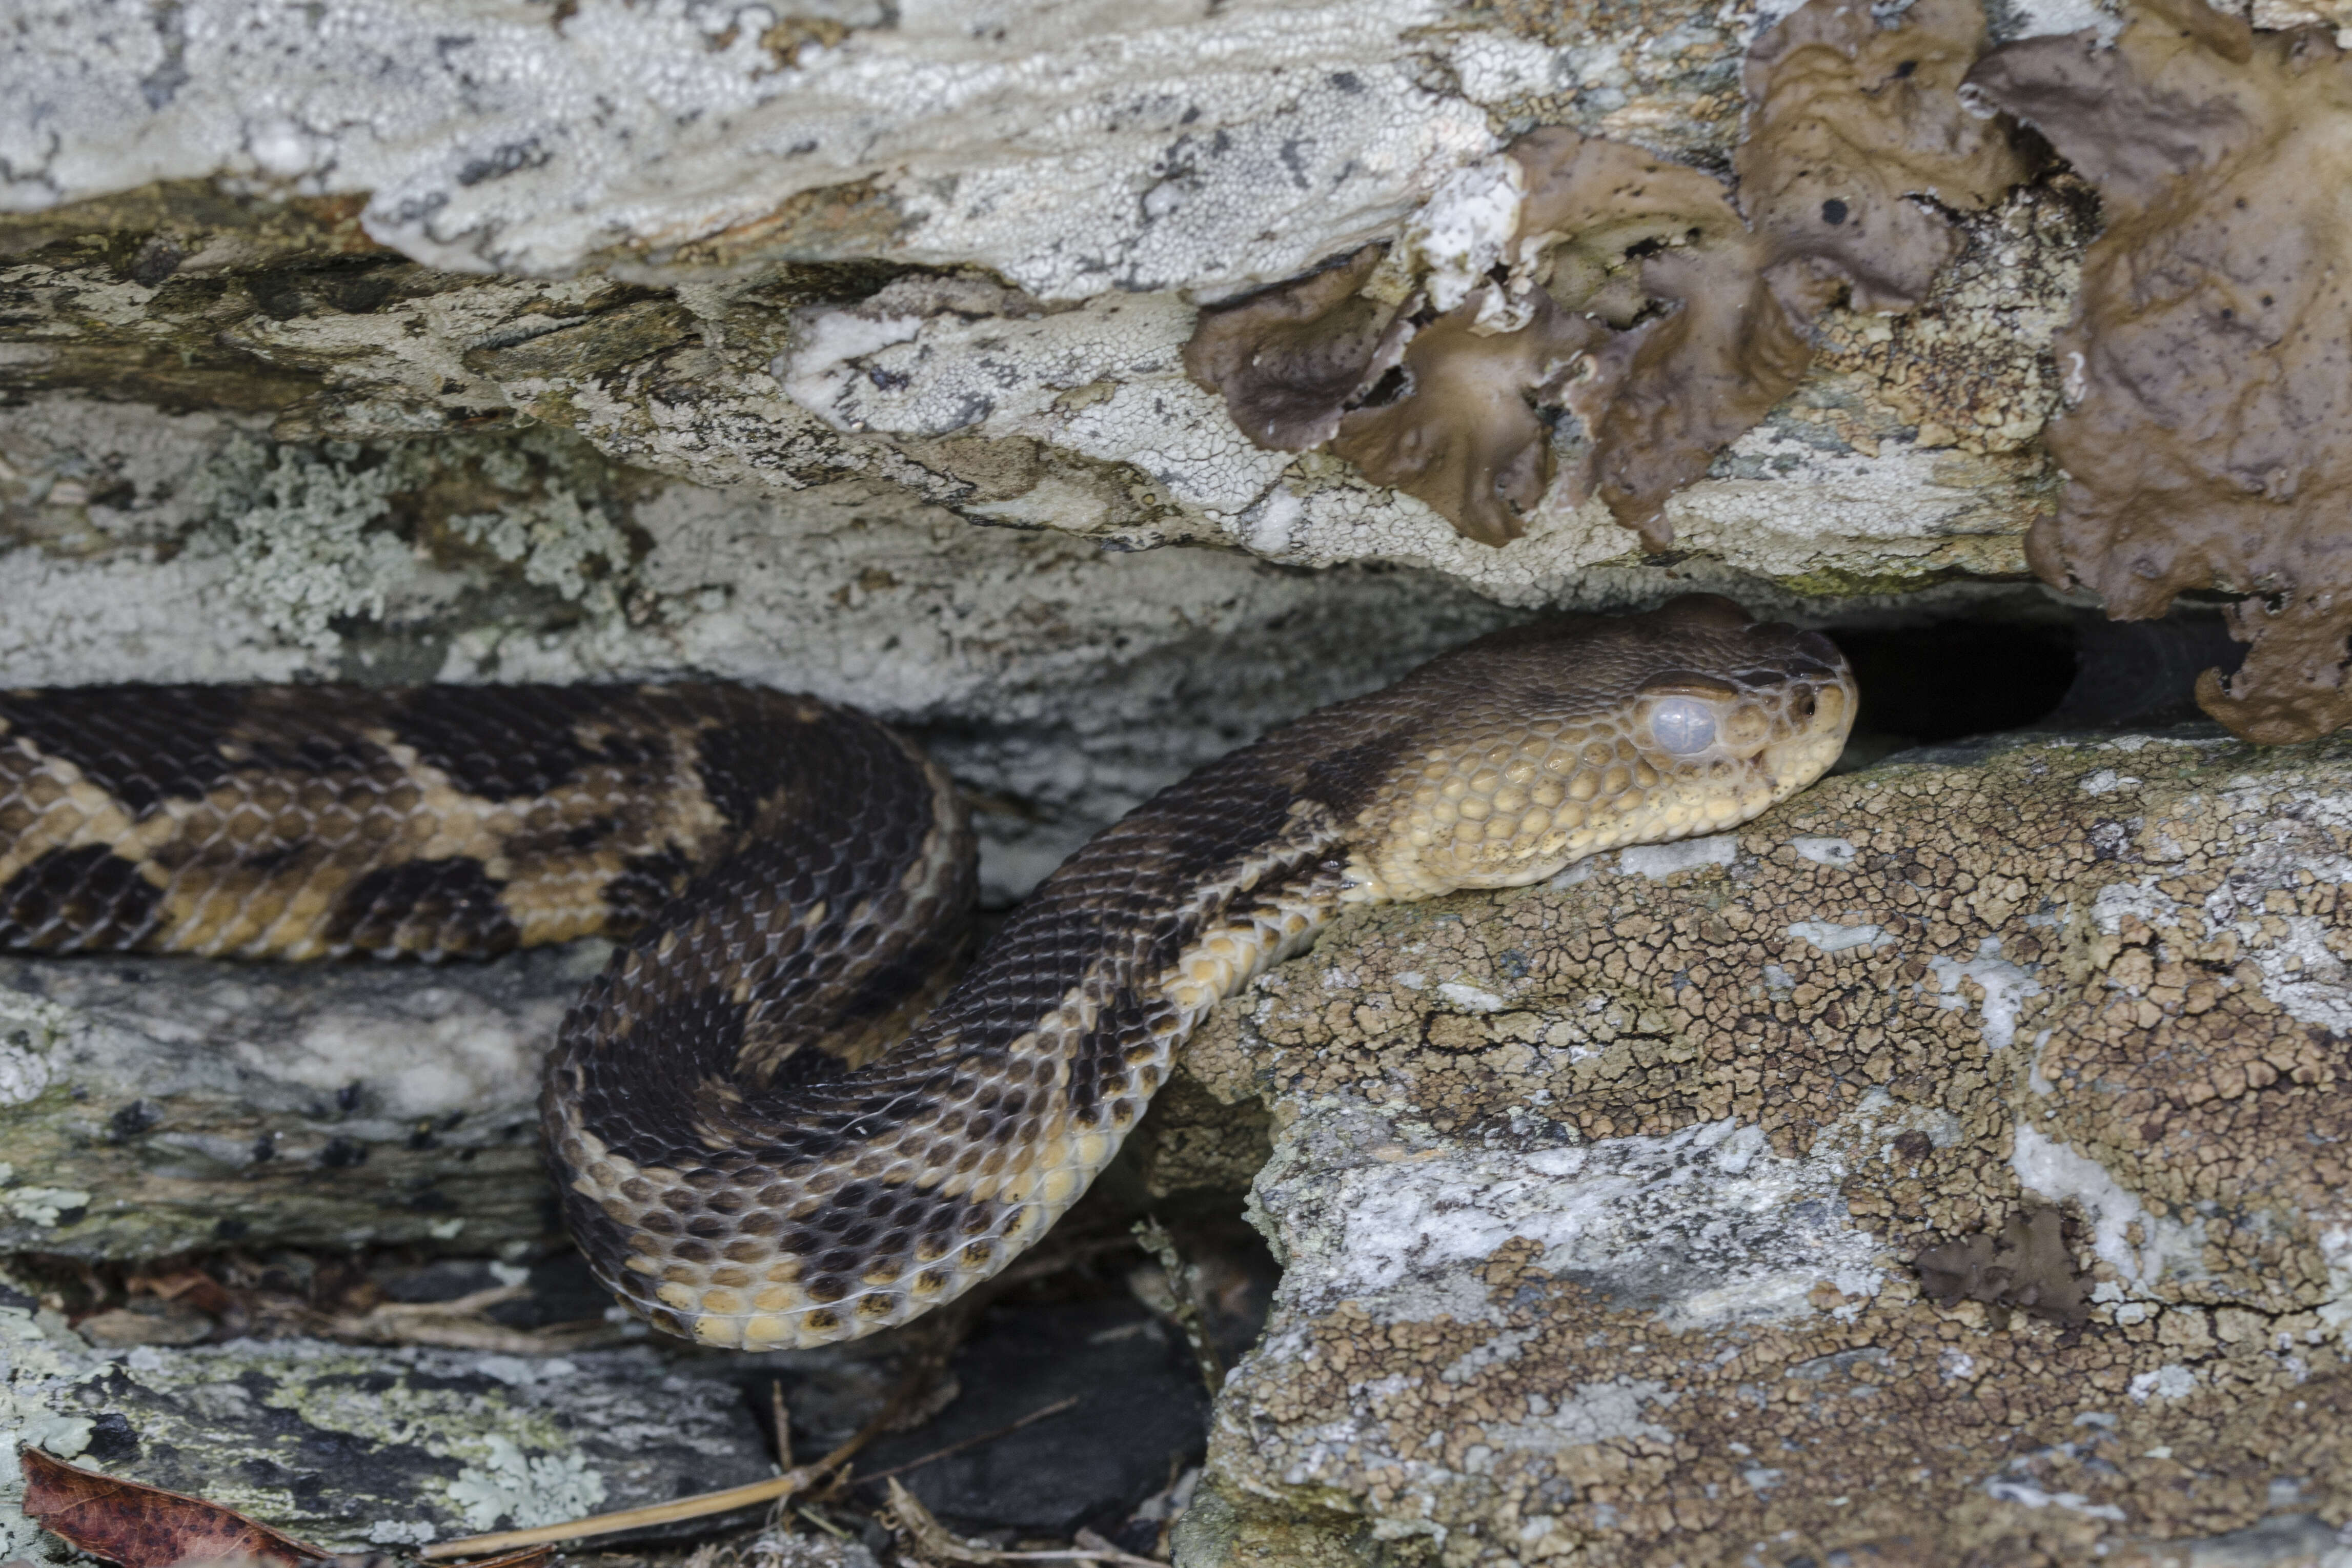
1532,748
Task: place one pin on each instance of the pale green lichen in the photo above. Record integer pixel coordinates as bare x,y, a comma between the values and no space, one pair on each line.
556,539
518,1491
525,1471
304,536
41,1205
321,535
33,1364
27,1028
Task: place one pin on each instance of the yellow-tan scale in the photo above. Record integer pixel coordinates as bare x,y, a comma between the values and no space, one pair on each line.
1518,802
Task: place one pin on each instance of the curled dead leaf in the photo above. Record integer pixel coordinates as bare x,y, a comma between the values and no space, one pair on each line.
142,1526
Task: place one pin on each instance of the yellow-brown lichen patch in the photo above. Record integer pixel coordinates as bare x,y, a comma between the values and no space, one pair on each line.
1852,126
1633,293
1467,439
2091,978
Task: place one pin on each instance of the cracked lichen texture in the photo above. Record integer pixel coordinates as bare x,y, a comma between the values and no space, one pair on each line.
358,1449
1599,1201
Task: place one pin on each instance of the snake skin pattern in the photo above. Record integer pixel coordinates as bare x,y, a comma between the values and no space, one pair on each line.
774,1121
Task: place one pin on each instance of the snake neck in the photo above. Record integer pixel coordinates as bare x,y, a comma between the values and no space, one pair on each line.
803,1199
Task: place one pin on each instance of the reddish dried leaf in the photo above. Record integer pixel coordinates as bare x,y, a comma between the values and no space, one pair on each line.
147,1527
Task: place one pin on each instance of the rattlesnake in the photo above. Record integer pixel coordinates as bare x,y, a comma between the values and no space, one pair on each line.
774,1120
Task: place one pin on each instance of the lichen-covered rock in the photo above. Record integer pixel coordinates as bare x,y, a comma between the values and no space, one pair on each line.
695,216
1112,168
1057,149
1946,1167
358,1449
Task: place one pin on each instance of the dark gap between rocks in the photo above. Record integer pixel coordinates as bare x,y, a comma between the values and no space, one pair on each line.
1947,680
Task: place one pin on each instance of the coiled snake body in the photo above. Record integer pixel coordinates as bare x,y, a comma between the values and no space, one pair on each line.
764,1136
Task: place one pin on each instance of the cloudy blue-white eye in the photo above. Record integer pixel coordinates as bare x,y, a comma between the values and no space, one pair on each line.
1683,725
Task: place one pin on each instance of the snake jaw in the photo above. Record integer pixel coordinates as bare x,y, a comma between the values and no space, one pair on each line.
1685,722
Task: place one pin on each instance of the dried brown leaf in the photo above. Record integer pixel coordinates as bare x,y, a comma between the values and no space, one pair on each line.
146,1527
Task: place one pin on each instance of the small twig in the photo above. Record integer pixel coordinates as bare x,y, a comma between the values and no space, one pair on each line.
933,1541
1188,1305
1089,1541
1039,1414
528,1557
707,1504
823,1523
784,1419
458,1325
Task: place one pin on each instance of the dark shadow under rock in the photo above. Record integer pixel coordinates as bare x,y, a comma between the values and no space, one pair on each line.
1140,1412
2025,1267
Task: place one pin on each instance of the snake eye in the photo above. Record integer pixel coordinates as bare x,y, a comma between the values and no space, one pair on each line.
1683,725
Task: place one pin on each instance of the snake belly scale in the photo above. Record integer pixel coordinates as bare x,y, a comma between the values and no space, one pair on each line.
776,1116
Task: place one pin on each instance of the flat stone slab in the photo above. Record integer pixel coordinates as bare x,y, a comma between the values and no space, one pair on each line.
157,1105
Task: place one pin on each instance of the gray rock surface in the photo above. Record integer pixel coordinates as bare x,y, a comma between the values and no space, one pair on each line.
1945,1169
164,1105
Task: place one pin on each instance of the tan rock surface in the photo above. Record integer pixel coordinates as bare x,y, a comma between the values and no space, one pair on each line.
1599,1202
